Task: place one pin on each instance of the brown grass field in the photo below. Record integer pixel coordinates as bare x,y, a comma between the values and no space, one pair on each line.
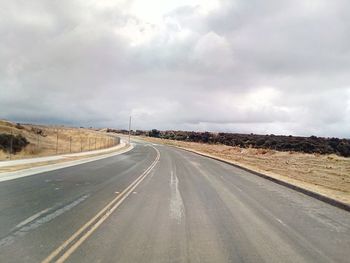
69,139
328,175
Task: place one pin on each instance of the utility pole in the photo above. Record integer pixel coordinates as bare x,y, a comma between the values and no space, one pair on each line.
129,128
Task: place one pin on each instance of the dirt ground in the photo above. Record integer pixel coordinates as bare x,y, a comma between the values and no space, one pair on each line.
328,175
44,144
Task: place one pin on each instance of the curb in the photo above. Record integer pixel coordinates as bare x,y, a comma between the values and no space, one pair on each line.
7,176
310,193
36,159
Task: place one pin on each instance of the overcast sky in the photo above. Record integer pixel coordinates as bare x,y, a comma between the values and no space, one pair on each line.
252,66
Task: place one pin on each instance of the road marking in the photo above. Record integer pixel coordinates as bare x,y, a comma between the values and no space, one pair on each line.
280,221
32,224
31,218
71,244
176,202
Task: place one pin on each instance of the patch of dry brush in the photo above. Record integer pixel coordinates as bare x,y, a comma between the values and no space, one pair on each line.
42,139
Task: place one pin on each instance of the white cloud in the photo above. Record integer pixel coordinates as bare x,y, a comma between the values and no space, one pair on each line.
213,51
241,66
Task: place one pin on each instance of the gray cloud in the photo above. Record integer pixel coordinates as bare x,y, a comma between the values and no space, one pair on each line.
243,66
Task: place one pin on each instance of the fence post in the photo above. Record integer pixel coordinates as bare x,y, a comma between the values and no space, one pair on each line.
81,145
89,143
11,143
57,142
70,144
38,141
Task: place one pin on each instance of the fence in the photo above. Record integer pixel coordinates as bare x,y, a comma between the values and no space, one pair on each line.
56,142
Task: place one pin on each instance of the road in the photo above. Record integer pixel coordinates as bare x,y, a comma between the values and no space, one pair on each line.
161,204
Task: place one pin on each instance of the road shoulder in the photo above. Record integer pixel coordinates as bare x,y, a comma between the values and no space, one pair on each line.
27,168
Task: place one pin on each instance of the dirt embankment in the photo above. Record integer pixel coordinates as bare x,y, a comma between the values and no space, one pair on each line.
328,175
43,139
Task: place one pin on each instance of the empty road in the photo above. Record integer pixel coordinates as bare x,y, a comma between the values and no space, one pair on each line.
161,204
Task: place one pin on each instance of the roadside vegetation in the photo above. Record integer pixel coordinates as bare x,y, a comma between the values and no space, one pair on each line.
13,143
310,144
28,140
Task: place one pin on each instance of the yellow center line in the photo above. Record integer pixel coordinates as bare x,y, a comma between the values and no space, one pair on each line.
104,214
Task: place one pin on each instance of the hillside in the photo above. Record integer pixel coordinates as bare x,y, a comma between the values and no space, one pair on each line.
49,140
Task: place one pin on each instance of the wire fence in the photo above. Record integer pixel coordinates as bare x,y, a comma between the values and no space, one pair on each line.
44,143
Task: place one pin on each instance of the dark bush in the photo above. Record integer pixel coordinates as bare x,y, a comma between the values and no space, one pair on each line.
310,144
154,133
18,142
344,148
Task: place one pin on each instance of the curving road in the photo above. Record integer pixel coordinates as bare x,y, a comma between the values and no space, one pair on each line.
161,204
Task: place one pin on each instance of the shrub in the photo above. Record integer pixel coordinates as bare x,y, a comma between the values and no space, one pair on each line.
154,133
312,144
18,142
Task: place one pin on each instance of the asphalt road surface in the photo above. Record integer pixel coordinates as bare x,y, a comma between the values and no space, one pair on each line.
161,204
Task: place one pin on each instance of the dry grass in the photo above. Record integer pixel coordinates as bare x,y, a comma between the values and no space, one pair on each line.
43,145
326,174
65,159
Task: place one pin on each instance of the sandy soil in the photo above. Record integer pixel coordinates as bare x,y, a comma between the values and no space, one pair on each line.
69,140
326,174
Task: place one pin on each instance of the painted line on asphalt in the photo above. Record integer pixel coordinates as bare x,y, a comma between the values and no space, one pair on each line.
39,221
68,247
31,218
280,221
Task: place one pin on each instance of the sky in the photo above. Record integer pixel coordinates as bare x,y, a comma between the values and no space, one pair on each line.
247,66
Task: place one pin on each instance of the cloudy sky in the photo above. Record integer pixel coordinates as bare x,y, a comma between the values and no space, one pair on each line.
273,66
